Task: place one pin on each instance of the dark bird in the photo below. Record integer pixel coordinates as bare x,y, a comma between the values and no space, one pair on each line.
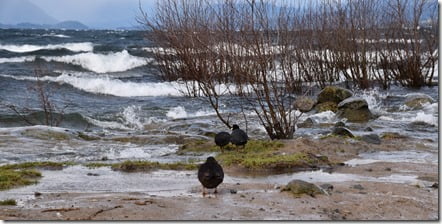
210,174
238,136
222,139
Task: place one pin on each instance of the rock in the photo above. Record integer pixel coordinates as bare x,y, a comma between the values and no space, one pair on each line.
233,191
299,187
304,104
37,194
308,123
416,100
372,139
435,185
388,169
333,94
327,187
358,187
392,135
355,109
93,174
340,124
368,129
341,131
327,106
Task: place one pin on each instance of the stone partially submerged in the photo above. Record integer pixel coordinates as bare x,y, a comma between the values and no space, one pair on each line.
304,104
333,94
354,109
300,187
417,100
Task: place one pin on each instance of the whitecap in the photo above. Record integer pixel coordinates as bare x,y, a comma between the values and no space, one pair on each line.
17,59
75,47
177,112
102,63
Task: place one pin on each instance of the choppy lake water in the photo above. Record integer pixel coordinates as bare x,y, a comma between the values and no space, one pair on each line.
108,82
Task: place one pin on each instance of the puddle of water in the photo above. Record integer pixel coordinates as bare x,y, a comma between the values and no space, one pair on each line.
394,157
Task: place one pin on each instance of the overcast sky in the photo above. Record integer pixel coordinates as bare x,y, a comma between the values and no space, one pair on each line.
95,13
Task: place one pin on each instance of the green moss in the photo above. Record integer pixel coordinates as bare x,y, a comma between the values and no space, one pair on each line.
332,106
96,165
87,137
146,166
10,178
264,155
38,165
8,202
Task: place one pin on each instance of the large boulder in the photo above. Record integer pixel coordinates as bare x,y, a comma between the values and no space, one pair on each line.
300,187
333,94
304,103
355,109
417,100
327,106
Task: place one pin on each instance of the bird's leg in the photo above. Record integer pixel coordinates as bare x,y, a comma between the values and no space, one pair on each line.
204,192
216,191
222,149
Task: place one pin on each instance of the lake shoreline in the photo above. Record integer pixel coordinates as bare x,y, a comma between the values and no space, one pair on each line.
377,190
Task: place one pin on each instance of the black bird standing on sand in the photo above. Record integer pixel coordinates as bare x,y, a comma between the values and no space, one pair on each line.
222,139
210,174
238,136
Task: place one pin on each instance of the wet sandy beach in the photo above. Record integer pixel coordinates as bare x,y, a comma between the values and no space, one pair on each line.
389,184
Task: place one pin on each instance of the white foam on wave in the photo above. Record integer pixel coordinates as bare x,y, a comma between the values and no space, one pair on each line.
426,118
177,112
324,117
17,59
131,117
374,100
180,112
75,47
102,84
102,63
55,35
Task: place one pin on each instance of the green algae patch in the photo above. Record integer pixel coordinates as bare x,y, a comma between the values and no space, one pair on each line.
8,202
96,165
146,166
260,155
46,165
10,178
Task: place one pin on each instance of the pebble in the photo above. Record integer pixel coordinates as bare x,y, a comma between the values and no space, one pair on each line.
233,191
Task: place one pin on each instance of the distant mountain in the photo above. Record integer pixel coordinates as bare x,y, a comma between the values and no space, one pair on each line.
75,25
23,11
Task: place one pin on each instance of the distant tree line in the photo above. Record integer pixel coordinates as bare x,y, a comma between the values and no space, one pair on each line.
265,51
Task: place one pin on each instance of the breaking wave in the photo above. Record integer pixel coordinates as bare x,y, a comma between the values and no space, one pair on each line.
109,86
75,47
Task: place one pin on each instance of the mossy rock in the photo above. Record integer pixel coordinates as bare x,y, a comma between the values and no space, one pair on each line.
355,109
326,106
417,100
299,188
333,94
304,103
